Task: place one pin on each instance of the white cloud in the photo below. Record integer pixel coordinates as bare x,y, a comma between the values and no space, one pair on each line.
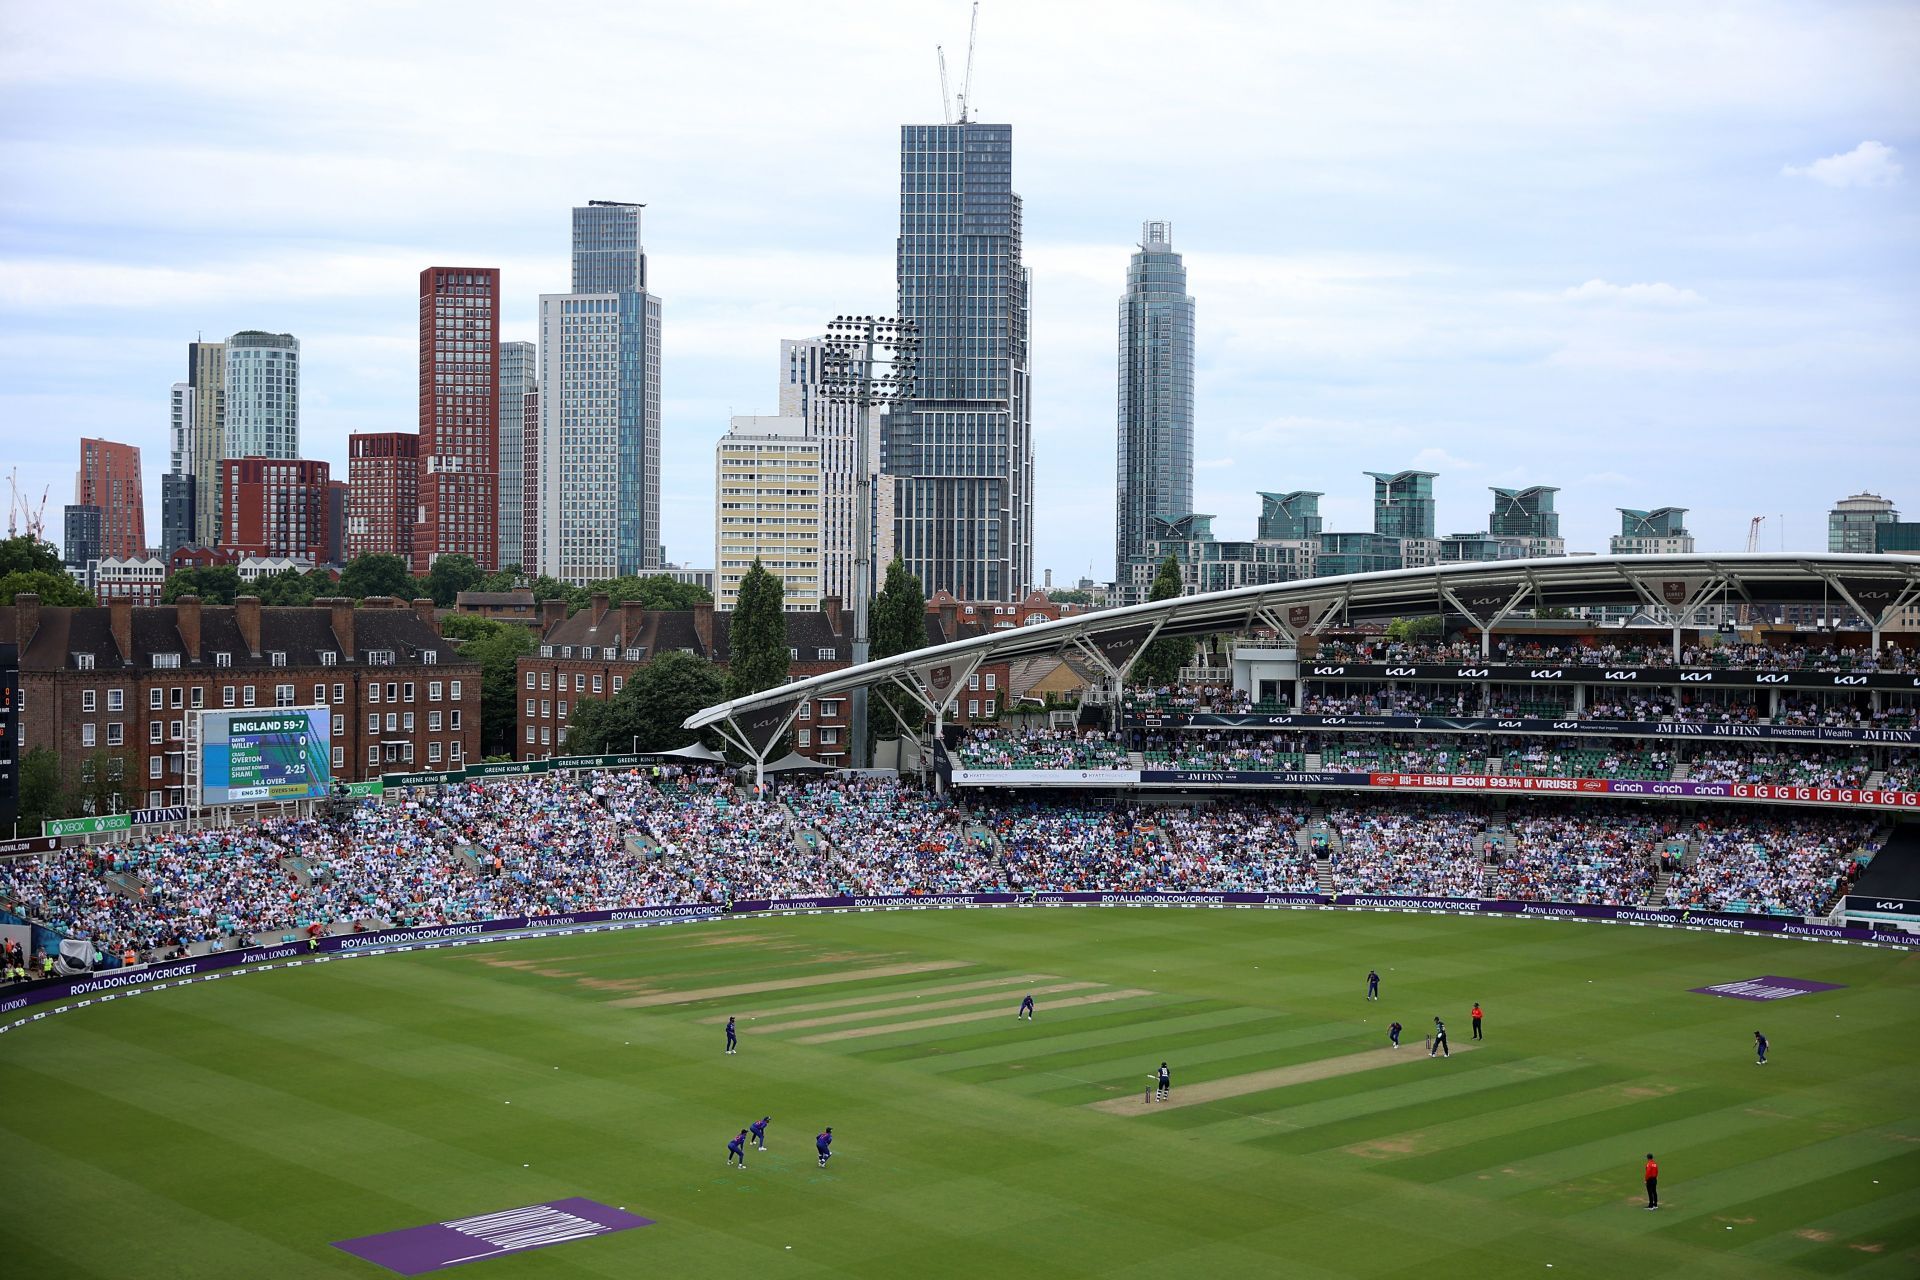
1871,164
1213,464
1658,293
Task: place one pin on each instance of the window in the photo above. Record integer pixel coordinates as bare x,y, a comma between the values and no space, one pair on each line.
531,731
373,722
561,709
805,737
222,659
406,692
453,690
596,684
532,703
116,699
153,766
277,657
546,680
806,711
455,751
88,699
373,691
546,707
579,682
429,657
617,683
155,698
247,696
823,655
610,652
283,695
339,724
829,737
176,729
990,706
393,691
83,662
393,722
546,651
339,757
433,753
406,721
973,706
992,680
380,657
166,661
226,695
973,681
339,693
634,652
433,691
87,733
154,730
198,698
793,655
373,755
530,680
319,694
116,733
328,657
433,722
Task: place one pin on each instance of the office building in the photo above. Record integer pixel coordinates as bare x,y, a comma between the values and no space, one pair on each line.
518,369
139,579
1528,516
599,440
207,381
1661,531
280,507
80,535
459,484
530,479
961,450
1854,523
767,508
833,419
1289,517
1901,537
177,483
1209,564
382,493
1403,503
1154,463
109,478
261,417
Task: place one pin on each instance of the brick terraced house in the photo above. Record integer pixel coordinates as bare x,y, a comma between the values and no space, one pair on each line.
112,687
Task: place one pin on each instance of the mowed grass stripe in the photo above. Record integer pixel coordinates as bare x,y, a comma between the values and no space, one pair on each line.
1150,1046
1087,1031
998,999
955,1019
1861,1230
776,1010
697,995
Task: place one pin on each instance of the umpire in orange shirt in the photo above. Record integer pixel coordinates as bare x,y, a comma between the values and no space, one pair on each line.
1653,1182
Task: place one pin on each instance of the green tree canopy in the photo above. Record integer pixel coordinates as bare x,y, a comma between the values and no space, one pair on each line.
497,647
54,588
1160,663
545,588
646,715
1428,627
1070,595
656,591
214,584
293,587
758,652
448,577
896,624
28,554
40,796
376,573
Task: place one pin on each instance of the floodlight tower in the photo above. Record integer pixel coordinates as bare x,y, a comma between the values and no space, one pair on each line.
867,362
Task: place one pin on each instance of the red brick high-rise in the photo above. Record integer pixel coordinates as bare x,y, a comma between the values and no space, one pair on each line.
278,507
109,478
383,493
459,466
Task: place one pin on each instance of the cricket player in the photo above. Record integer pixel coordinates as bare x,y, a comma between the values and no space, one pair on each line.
1393,1034
1373,984
759,1128
1760,1048
1163,1084
1653,1181
737,1149
1439,1044
733,1037
823,1145
1026,1008
1476,1021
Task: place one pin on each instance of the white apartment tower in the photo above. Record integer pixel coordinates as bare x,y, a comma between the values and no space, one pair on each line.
831,418
767,500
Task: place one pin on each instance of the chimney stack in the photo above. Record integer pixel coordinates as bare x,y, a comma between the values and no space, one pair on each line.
120,615
186,620
341,614
703,626
600,601
633,621
26,619
553,612
830,605
423,609
246,616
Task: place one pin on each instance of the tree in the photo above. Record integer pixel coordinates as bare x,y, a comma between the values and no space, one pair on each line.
497,647
39,789
214,584
292,587
105,784
1423,628
52,588
757,645
647,714
1161,661
448,577
545,588
28,554
656,591
896,624
1070,595
376,573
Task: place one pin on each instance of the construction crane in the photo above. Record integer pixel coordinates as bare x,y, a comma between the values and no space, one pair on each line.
21,513
948,103
1753,532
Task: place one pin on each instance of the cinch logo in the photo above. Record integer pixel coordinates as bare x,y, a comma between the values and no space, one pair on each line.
1473,673
1402,671
1773,677
1619,675
1548,673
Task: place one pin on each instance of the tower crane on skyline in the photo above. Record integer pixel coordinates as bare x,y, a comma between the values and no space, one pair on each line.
21,512
1753,532
947,101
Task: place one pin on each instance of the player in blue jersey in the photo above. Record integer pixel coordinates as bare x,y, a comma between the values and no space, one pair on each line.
1026,1009
1393,1034
1373,984
1760,1049
823,1145
737,1149
733,1037
759,1128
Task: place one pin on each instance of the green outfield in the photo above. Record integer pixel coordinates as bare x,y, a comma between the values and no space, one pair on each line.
236,1128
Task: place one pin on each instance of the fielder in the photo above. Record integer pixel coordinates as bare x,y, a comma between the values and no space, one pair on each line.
1026,1008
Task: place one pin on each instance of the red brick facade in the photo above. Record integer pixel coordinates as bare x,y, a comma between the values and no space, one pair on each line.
459,466
109,478
383,493
278,507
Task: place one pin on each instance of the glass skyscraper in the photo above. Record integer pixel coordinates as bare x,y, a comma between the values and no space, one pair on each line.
599,404
261,412
1154,467
962,449
517,377
1403,503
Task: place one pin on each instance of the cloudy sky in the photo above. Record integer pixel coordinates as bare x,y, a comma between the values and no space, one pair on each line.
1652,254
